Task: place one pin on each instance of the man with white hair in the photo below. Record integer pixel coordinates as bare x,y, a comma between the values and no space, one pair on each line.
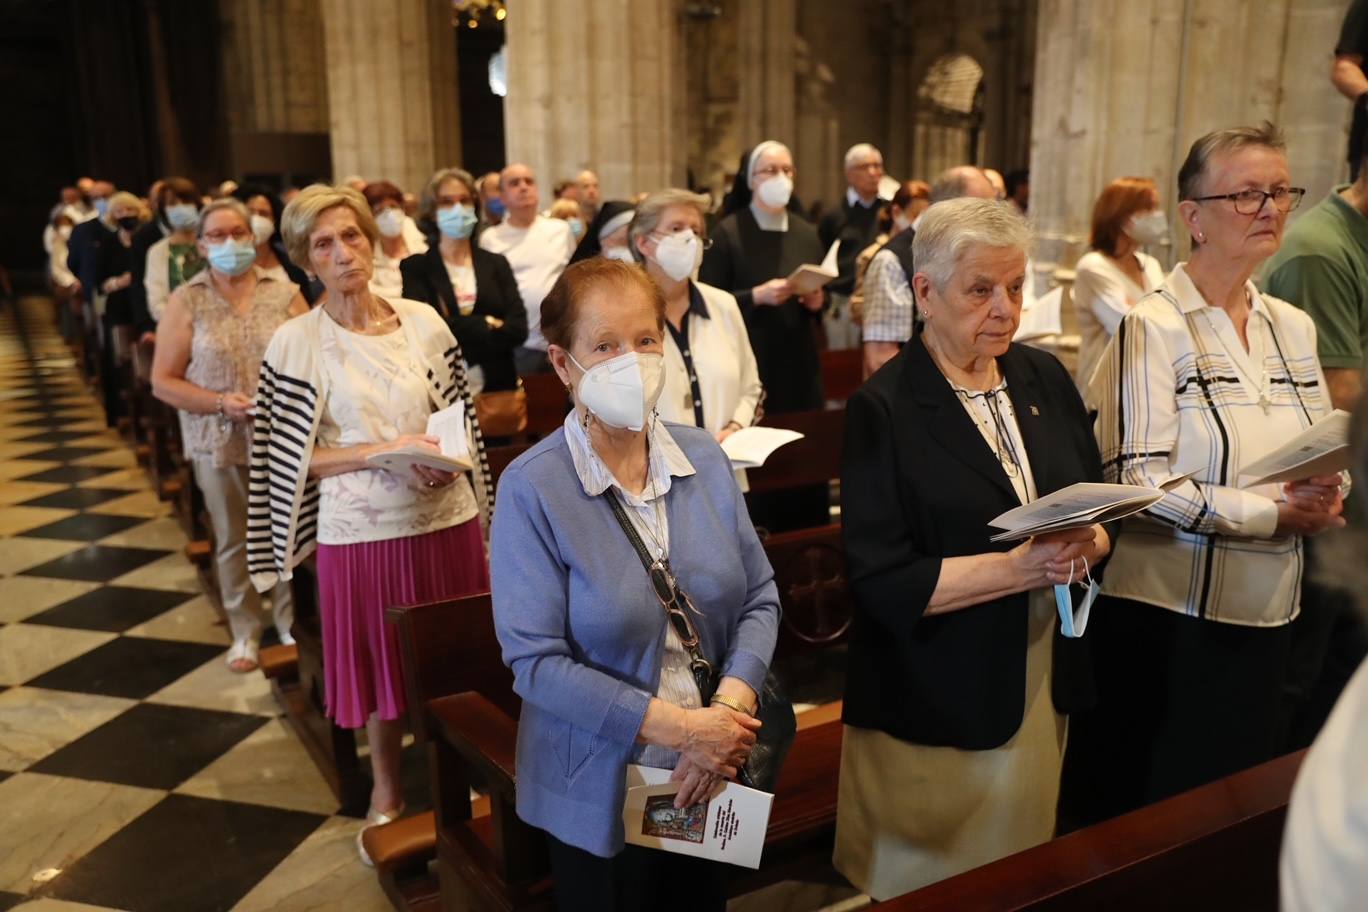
855,223
538,248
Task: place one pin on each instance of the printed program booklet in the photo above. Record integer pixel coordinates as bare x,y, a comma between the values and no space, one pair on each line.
730,826
1321,449
448,426
749,447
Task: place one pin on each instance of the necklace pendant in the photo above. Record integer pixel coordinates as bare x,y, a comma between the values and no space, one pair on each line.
1264,403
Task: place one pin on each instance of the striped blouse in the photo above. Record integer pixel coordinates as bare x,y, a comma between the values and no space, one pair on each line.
282,500
1177,392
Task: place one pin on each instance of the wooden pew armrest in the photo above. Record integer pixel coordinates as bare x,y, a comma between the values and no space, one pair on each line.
482,734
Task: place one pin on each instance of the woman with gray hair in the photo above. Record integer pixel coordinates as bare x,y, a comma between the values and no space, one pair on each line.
959,677
1203,376
711,380
351,382
213,333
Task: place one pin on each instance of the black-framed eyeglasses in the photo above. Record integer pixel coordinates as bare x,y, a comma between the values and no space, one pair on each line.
1251,202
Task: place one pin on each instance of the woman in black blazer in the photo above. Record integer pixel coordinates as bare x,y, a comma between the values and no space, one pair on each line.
958,680
485,312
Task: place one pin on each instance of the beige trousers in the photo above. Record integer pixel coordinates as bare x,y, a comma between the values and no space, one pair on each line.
225,497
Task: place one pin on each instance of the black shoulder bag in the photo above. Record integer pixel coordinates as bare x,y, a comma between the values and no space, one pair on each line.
775,712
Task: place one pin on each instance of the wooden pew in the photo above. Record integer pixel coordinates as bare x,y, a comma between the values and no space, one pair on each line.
813,460
547,403
842,373
1215,847
461,702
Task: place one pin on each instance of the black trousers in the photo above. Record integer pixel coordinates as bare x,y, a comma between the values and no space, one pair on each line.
1181,702
635,879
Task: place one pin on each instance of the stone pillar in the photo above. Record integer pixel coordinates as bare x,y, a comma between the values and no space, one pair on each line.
597,84
1123,88
275,87
392,94
766,32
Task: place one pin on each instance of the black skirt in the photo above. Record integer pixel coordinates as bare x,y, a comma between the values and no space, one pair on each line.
1181,702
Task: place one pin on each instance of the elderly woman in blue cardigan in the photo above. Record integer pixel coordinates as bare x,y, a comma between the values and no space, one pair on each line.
605,680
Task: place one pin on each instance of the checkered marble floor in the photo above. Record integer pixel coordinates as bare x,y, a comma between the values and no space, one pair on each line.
136,771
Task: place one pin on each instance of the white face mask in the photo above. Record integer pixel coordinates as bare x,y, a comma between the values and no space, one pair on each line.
262,229
678,254
1148,227
390,222
901,223
621,254
622,391
776,191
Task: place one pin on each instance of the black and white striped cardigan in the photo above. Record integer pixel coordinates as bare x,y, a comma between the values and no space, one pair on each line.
282,500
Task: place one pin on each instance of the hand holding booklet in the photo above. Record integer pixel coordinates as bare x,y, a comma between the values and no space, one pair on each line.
808,278
449,427
1076,507
1321,449
730,826
749,447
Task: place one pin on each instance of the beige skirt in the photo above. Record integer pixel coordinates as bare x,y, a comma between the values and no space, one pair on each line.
910,815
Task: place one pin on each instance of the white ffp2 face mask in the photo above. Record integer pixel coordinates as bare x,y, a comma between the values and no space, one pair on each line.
776,191
390,222
622,391
1148,228
678,254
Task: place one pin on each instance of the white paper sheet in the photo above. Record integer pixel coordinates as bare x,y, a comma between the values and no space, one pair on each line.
1043,318
1321,449
729,827
749,447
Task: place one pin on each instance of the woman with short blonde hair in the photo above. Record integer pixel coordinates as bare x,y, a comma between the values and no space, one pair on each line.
353,380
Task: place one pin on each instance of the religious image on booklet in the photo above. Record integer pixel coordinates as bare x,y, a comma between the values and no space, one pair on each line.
662,819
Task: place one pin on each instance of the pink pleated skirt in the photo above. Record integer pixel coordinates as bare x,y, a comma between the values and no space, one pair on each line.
356,583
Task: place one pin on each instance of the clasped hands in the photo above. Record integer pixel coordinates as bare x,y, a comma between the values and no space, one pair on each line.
1311,506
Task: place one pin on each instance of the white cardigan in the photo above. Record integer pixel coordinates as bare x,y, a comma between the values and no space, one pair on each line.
727,375
282,500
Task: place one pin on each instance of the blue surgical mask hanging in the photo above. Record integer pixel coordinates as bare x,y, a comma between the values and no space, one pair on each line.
1072,623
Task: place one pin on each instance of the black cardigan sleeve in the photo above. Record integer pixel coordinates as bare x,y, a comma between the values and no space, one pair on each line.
890,574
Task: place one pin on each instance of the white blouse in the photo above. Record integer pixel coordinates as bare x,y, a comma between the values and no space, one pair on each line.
386,279
1102,295
1177,392
376,391
993,415
649,516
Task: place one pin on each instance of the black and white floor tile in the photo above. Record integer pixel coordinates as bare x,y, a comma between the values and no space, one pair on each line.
136,771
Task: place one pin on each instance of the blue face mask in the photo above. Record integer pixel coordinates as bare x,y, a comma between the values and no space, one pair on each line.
576,227
232,257
1072,623
182,215
456,221
495,208
101,206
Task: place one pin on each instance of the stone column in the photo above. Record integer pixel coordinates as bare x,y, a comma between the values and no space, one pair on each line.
1123,88
597,84
766,32
392,94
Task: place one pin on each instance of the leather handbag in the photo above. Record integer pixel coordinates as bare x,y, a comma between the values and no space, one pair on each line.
774,710
502,413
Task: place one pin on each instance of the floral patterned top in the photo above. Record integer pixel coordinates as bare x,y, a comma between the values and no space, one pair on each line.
225,356
376,389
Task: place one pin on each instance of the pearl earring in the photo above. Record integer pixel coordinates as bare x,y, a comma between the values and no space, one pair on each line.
1201,237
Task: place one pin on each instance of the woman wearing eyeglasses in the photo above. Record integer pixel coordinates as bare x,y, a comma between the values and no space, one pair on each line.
211,339
711,380
599,646
754,250
1204,376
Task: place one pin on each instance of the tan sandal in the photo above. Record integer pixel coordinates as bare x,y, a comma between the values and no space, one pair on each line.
374,819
